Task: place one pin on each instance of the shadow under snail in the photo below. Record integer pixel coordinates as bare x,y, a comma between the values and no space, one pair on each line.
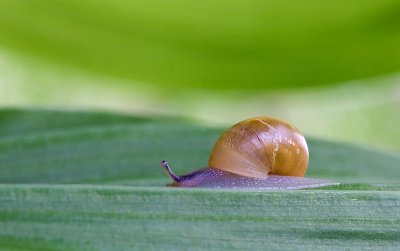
257,153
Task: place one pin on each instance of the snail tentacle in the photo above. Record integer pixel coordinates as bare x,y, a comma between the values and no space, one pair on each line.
171,174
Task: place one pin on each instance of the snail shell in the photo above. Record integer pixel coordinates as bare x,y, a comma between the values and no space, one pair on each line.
259,147
261,153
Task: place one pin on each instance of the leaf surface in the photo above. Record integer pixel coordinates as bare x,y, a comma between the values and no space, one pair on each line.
95,184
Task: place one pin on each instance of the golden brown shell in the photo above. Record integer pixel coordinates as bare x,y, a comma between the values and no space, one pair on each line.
259,147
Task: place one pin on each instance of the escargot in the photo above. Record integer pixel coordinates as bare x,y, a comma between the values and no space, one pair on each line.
257,153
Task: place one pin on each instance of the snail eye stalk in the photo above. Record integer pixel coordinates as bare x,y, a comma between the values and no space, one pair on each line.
171,174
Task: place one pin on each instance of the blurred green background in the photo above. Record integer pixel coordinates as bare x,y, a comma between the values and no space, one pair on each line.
330,68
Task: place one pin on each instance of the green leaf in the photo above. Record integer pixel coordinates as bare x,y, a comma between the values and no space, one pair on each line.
247,45
125,218
96,184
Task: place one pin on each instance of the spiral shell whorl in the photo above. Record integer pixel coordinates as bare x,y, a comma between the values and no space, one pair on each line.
261,146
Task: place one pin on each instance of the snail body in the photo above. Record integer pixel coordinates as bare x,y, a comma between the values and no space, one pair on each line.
257,153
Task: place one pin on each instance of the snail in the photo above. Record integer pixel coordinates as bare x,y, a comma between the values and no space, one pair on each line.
257,153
